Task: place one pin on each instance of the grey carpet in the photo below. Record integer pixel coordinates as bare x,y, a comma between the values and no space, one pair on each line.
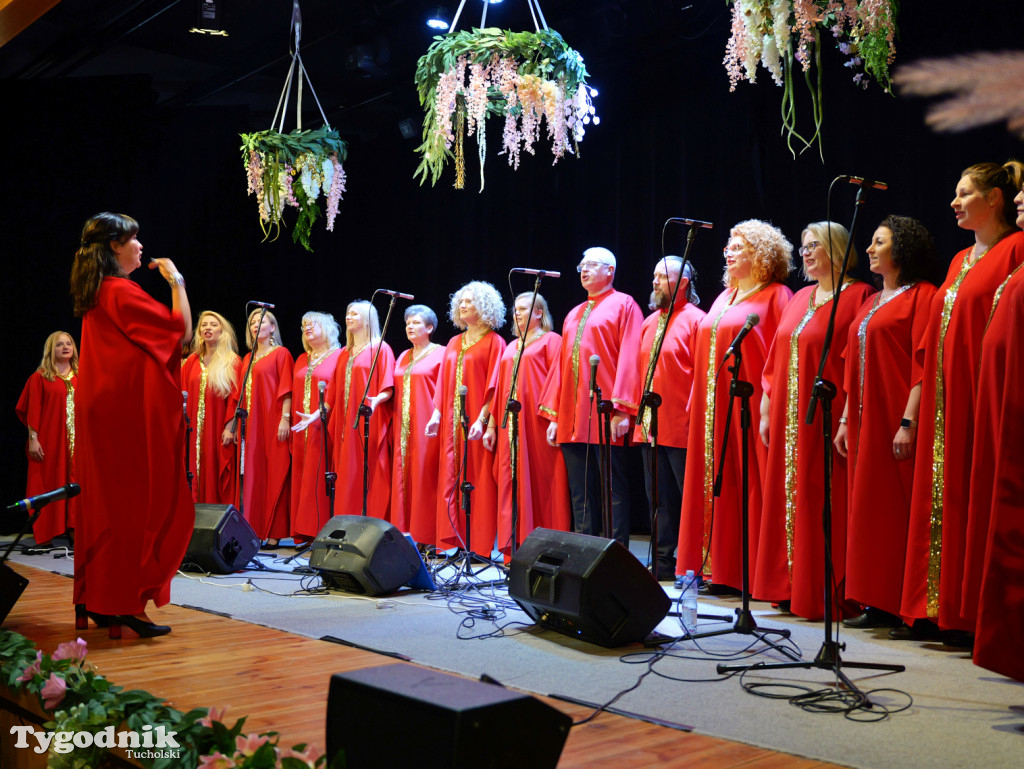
961,716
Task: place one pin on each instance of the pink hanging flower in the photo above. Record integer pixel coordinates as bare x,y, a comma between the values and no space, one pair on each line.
250,743
71,650
216,760
32,670
334,194
53,692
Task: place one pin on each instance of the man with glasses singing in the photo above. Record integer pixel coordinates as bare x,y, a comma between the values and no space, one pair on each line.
607,325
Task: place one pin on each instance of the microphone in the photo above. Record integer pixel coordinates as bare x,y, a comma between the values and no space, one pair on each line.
541,273
692,222
462,405
397,294
323,388
594,360
184,397
752,320
267,305
41,500
860,181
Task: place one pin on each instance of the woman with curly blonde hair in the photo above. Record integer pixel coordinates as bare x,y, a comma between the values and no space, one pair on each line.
470,360
209,375
47,408
758,257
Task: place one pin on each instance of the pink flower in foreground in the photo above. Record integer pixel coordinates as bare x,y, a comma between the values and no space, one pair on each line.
249,744
53,692
32,670
310,755
216,760
215,714
71,650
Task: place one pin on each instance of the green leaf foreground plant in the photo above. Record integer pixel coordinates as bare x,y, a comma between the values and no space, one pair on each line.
90,703
293,169
543,55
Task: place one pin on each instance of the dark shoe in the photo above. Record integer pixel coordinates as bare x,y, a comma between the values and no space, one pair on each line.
782,606
717,588
873,617
922,630
665,573
957,639
83,615
268,545
141,627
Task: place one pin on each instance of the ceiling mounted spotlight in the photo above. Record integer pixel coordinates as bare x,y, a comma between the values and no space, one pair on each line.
439,18
209,18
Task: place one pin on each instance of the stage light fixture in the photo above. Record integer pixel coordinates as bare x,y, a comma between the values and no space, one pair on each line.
439,18
209,19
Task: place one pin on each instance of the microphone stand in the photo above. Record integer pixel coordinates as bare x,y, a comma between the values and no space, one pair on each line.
512,409
188,438
745,623
652,400
365,412
465,560
242,415
828,656
330,477
604,438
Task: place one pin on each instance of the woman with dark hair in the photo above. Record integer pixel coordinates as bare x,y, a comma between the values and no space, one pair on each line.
266,494
933,582
310,505
210,375
136,511
543,498
469,361
47,408
758,258
344,396
791,544
414,456
878,430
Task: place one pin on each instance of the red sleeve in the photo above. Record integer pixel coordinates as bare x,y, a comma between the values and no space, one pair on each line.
285,365
386,368
548,405
30,403
148,324
922,306
626,390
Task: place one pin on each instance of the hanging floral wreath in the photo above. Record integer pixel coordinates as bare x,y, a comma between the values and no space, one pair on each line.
778,32
528,78
274,161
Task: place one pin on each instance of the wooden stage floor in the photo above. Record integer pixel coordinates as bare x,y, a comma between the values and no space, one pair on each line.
280,682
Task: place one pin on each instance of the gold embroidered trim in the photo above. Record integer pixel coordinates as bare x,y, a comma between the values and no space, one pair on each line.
69,413
649,375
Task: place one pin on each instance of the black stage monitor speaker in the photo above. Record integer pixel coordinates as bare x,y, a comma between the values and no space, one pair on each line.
362,554
12,585
402,715
586,587
222,541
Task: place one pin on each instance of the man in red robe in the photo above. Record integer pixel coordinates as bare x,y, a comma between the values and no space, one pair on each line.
607,325
674,328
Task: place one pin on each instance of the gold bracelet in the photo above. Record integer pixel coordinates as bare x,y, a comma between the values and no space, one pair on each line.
176,279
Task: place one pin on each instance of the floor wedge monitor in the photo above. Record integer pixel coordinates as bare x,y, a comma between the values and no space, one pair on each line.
222,542
362,554
403,715
586,587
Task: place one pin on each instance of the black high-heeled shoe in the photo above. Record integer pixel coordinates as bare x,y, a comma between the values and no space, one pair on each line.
83,615
141,627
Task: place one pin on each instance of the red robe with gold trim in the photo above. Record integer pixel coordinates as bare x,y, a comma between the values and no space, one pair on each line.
215,477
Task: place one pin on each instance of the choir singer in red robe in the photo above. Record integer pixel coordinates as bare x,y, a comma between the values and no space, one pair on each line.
878,430
47,408
960,310
469,361
606,326
673,328
136,510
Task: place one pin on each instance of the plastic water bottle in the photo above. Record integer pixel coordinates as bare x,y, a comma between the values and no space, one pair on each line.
688,603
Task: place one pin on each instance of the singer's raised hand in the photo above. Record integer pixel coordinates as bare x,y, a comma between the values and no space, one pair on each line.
433,424
305,420
167,269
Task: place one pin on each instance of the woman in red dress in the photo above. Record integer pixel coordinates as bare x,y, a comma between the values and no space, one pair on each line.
414,456
878,430
136,510
210,375
791,544
757,259
469,361
266,491
314,369
933,594
543,498
344,395
47,408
